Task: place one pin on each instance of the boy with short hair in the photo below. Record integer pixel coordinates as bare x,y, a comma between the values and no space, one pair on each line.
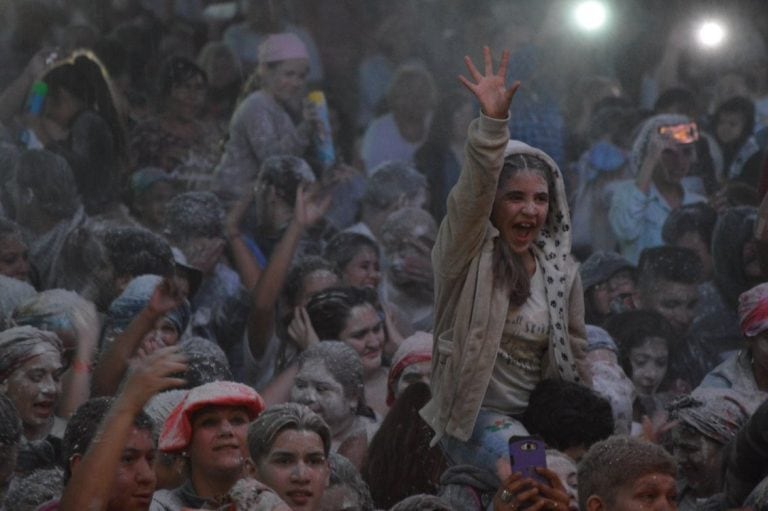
626,474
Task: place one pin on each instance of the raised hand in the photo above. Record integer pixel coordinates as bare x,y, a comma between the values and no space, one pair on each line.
165,298
312,202
518,492
152,374
490,88
300,329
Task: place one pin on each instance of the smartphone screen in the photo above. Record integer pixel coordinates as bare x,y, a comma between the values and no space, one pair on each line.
526,453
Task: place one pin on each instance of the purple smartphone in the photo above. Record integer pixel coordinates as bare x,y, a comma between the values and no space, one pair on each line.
527,453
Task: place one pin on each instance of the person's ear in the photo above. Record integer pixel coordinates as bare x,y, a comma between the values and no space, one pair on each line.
595,503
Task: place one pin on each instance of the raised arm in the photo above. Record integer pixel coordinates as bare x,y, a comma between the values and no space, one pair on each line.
490,88
309,209
245,263
93,474
113,364
469,204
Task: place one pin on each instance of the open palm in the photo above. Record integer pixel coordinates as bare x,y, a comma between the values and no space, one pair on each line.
490,88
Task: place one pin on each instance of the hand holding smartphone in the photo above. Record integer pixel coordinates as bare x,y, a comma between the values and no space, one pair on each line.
526,453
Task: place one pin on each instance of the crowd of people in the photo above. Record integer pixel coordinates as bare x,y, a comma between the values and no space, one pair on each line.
222,289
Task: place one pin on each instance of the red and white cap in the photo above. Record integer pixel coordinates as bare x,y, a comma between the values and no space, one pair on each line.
177,430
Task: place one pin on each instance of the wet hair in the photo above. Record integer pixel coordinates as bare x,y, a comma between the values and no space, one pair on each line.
390,182
194,214
567,415
55,310
83,425
400,460
285,174
738,105
631,329
699,217
176,71
344,473
263,431
345,366
422,502
508,267
344,246
50,178
402,223
672,264
20,344
31,491
206,362
10,423
84,76
329,310
616,462
134,251
294,281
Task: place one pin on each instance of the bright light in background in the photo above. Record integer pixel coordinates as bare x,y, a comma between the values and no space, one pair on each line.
711,34
590,15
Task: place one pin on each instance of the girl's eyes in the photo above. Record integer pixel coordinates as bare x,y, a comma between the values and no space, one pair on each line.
209,423
238,420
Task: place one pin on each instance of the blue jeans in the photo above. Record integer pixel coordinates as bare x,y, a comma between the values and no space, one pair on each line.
488,443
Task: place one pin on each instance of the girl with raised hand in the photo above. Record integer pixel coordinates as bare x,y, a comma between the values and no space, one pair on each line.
508,300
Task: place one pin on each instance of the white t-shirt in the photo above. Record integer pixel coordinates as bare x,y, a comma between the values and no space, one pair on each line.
519,360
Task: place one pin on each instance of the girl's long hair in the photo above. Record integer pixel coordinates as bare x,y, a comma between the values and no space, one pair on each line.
83,75
508,267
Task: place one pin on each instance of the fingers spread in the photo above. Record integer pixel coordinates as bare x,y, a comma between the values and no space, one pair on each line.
488,61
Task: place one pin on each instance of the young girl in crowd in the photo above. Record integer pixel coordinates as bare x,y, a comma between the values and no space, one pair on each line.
357,258
270,121
509,305
733,124
351,315
30,376
644,338
82,123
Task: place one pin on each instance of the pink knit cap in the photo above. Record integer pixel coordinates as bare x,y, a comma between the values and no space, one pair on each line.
177,430
282,46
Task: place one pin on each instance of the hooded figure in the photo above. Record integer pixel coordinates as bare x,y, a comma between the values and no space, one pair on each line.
637,217
736,270
500,328
133,299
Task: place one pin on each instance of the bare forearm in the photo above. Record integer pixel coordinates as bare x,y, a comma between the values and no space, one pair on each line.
84,491
267,290
111,368
245,263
